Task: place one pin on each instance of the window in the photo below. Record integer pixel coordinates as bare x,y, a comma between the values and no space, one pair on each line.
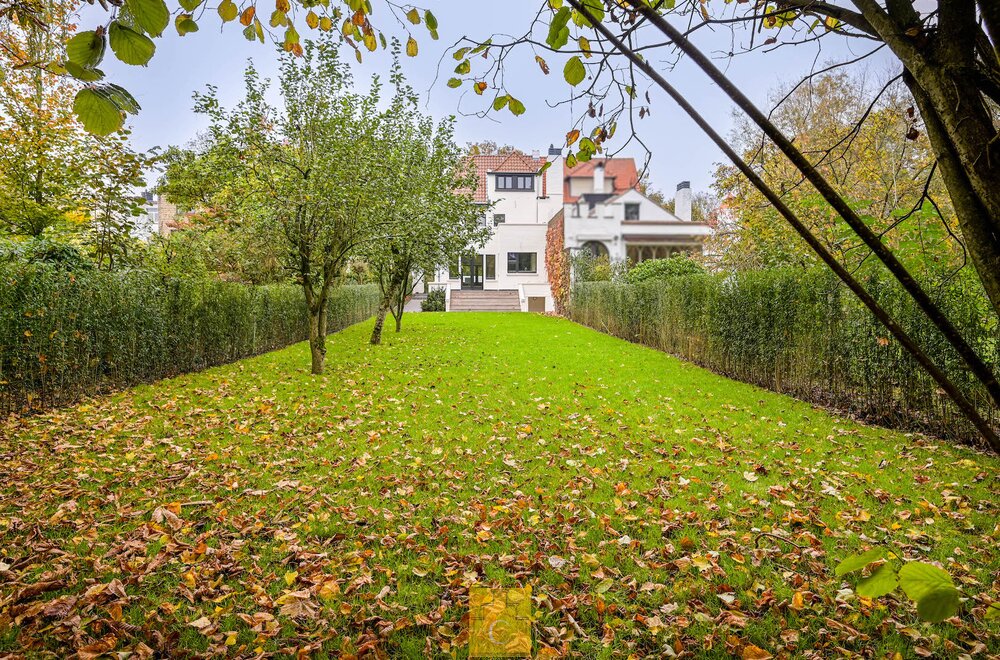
499,219
491,266
521,262
595,248
631,211
515,181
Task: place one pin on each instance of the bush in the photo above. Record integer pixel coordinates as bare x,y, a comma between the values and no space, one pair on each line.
662,269
67,334
588,268
802,333
434,302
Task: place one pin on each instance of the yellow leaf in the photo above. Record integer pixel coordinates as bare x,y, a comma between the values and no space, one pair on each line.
411,47
751,652
312,20
290,577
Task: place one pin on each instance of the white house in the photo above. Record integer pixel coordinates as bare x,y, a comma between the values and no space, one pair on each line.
603,211
510,268
607,215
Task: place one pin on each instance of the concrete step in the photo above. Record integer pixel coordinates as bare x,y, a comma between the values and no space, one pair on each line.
504,300
486,308
484,294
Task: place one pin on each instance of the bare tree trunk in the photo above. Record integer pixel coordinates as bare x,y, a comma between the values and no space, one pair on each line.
383,309
982,240
317,339
940,71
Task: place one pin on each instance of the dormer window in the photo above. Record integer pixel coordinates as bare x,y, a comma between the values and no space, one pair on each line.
631,211
518,182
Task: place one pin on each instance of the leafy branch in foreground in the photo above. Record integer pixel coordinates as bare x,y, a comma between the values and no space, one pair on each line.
131,27
930,587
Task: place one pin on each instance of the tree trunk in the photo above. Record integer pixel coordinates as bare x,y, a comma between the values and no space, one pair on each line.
399,323
383,309
981,238
940,72
317,340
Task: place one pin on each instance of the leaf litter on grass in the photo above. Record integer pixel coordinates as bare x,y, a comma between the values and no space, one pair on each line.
654,509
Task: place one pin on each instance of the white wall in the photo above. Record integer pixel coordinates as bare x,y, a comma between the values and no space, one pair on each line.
527,215
608,224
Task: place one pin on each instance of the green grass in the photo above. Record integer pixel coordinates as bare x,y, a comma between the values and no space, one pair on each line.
344,513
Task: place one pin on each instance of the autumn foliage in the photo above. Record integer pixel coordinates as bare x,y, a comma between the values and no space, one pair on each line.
557,262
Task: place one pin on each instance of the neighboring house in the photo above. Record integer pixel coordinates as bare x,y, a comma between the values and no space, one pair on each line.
512,263
167,216
148,223
607,215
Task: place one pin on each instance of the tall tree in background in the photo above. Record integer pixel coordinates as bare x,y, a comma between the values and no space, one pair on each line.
426,207
114,175
309,170
870,149
44,156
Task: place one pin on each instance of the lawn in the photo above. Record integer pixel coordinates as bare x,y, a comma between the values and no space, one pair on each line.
653,507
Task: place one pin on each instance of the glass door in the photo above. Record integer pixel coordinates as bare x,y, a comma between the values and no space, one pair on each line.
472,271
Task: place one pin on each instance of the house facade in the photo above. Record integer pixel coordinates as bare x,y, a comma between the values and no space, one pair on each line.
513,259
608,216
604,212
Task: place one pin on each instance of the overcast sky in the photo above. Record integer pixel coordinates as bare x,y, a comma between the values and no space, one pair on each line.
680,151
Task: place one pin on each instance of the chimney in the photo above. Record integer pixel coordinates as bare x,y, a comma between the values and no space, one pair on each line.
599,178
554,150
535,154
682,202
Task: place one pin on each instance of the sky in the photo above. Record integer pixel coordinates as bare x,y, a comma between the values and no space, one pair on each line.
217,55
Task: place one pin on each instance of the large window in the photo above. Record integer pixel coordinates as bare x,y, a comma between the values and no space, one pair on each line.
522,262
631,211
515,181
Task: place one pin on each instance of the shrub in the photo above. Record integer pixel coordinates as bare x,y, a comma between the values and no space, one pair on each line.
801,333
662,269
434,302
67,334
588,268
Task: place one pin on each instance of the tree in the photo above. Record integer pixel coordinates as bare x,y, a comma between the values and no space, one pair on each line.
114,174
426,208
44,155
884,166
309,170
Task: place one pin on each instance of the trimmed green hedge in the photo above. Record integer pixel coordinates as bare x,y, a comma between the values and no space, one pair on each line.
802,333
64,335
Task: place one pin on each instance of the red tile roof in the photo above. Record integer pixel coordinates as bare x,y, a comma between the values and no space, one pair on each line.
513,163
622,172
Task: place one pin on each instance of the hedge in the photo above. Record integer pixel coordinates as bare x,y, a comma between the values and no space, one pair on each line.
801,333
64,335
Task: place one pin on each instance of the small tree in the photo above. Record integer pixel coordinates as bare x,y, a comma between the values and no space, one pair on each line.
308,170
428,213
